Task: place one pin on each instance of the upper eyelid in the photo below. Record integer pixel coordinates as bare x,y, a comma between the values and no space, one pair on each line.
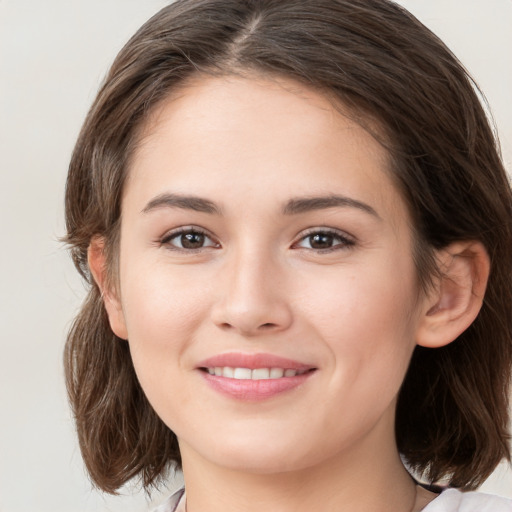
169,235
346,240
300,236
332,231
185,229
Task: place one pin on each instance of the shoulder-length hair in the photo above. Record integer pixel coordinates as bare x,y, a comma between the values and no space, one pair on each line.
377,60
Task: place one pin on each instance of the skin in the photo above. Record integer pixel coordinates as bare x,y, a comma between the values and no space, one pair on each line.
351,308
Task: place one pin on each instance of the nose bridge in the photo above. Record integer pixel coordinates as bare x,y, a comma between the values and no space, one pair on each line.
253,299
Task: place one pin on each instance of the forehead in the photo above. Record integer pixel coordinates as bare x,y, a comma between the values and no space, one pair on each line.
243,102
234,132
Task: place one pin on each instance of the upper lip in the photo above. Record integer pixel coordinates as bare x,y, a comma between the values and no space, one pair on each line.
252,361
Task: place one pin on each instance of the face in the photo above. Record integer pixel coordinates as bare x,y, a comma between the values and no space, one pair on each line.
267,285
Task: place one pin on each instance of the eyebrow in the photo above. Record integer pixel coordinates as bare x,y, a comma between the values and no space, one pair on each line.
307,204
292,207
194,203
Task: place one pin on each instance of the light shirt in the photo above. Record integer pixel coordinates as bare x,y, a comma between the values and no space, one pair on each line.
452,500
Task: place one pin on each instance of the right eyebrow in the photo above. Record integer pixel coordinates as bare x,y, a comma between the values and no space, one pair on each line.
195,203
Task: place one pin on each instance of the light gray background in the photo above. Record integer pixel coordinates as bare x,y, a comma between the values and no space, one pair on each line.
53,55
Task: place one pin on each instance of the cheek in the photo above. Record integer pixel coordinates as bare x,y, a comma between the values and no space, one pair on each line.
366,318
361,301
160,317
162,314
160,305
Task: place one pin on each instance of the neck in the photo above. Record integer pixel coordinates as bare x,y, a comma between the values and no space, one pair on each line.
369,477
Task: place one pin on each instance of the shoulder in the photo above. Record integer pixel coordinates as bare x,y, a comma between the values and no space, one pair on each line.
452,500
175,503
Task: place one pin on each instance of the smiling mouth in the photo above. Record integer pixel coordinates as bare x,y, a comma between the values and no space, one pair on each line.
256,373
255,377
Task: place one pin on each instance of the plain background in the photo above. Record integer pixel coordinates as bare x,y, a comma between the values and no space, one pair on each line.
53,55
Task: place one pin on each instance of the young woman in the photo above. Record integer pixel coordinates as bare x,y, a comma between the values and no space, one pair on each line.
298,235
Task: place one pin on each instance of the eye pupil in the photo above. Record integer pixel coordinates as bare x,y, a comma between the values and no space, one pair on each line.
321,240
192,240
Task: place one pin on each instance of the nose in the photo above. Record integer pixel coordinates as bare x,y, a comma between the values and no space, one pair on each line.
253,298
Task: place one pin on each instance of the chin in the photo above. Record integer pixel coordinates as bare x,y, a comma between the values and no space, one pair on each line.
257,455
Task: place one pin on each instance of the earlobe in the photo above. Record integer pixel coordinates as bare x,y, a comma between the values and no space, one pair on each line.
457,296
97,264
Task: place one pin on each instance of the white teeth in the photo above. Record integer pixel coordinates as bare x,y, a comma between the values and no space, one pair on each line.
228,372
256,374
261,373
242,373
276,373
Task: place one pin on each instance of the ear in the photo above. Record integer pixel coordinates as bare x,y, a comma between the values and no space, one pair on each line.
97,264
457,296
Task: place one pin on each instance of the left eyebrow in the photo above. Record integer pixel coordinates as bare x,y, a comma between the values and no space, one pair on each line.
307,204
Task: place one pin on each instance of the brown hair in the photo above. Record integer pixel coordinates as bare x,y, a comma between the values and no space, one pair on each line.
377,59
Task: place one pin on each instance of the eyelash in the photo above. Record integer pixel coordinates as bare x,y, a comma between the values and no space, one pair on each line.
344,241
190,230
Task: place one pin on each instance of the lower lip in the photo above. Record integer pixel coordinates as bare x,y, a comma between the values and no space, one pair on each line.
254,390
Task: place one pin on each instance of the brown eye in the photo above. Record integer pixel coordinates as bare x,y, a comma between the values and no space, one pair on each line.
189,240
321,241
192,240
325,241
